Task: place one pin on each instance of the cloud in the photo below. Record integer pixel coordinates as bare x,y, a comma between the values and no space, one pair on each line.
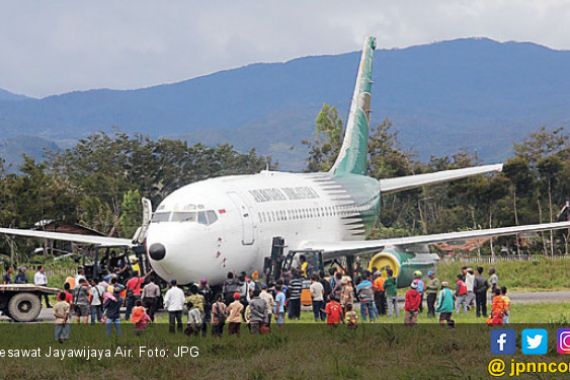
54,47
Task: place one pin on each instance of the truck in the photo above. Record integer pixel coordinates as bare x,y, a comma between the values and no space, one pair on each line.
22,302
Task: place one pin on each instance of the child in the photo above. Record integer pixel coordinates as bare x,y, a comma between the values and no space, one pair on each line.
351,318
497,310
507,302
412,303
194,320
61,312
333,311
139,317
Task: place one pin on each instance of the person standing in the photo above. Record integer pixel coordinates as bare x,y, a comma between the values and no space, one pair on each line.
194,324
470,283
40,279
493,280
379,294
174,303
207,295
480,287
7,279
432,288
317,293
366,297
81,301
234,312
269,301
421,288
347,292
279,306
219,314
295,287
412,304
96,301
391,290
231,285
134,288
445,305
460,295
112,306
334,312
150,297
61,313
21,277
258,312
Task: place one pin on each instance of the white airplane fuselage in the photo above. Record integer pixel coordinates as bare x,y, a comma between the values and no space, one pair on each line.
227,224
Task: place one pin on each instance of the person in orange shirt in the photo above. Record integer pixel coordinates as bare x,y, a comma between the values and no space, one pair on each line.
334,312
497,309
379,295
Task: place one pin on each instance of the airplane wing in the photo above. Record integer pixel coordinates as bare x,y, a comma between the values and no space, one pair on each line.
86,239
391,185
335,249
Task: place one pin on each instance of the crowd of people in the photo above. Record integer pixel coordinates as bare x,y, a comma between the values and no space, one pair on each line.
246,300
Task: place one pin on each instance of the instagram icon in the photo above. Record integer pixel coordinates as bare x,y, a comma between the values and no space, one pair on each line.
563,341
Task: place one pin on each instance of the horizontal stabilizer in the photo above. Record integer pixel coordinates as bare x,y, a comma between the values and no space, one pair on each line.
390,185
75,238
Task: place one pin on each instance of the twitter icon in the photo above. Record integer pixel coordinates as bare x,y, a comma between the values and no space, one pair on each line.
534,341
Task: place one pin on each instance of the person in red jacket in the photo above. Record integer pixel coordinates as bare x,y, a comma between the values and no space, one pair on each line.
412,305
333,311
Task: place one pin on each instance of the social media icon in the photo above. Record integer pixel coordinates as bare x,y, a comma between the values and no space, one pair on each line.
563,341
535,341
503,342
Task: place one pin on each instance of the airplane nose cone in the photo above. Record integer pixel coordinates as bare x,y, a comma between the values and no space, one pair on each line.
157,251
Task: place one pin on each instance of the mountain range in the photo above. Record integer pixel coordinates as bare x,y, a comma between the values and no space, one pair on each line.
474,94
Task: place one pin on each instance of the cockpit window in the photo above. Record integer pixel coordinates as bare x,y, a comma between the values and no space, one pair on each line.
159,217
183,216
212,217
202,218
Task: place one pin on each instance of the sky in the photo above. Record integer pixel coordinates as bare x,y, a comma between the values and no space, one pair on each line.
52,47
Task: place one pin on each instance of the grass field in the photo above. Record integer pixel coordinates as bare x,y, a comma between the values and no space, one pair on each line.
536,274
305,350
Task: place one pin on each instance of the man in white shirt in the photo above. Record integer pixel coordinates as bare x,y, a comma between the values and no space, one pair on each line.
470,284
40,279
317,294
174,303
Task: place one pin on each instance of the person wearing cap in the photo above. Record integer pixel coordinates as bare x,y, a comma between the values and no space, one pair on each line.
421,287
445,305
412,303
269,301
432,288
347,292
234,312
174,303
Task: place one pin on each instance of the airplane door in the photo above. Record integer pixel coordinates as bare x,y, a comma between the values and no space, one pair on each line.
246,218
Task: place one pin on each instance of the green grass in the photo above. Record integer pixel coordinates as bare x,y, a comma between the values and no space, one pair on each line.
534,275
299,351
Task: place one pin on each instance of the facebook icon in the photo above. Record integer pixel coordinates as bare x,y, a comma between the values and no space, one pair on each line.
503,342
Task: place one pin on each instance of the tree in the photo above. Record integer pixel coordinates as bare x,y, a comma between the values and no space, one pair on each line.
131,213
325,147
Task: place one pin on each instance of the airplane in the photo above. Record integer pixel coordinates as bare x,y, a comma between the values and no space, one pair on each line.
227,224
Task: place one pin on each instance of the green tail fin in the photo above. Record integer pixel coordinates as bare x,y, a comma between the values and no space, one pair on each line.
353,156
